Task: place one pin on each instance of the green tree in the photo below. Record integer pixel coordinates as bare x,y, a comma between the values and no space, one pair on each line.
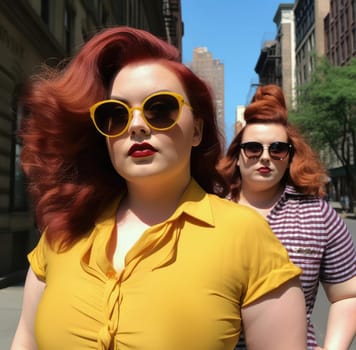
326,114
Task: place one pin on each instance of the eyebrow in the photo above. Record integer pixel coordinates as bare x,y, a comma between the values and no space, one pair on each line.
122,99
118,98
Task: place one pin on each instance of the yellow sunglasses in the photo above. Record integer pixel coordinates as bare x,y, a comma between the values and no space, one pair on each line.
160,111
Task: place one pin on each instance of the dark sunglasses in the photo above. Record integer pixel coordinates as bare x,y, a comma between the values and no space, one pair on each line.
276,150
160,111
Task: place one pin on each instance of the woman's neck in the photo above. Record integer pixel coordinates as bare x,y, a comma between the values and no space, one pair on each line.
154,202
261,200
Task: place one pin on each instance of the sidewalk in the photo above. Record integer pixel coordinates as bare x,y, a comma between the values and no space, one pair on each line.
10,308
337,207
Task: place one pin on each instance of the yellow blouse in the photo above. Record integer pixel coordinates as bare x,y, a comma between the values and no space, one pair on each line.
182,287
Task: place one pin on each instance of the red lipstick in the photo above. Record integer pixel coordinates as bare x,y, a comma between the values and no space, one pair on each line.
264,170
139,150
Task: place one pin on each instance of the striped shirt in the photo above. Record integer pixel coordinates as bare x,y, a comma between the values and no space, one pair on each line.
317,240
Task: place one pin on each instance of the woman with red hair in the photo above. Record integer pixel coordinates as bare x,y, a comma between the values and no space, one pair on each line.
137,249
272,169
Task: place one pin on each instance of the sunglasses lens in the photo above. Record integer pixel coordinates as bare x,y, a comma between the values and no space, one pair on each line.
279,150
253,149
161,111
111,117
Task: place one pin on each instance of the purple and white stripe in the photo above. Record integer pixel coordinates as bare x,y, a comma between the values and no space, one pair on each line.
317,240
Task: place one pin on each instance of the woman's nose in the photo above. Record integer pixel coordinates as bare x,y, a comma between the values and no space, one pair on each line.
138,124
265,153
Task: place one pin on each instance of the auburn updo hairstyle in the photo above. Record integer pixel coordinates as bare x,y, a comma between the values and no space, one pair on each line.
306,173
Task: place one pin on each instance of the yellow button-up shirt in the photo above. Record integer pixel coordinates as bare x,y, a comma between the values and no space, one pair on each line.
182,288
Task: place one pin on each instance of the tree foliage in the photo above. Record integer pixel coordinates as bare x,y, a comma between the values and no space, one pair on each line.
326,112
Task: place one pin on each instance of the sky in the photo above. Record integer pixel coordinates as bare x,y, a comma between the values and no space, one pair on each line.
234,32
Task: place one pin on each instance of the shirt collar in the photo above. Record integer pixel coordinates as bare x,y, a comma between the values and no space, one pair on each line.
291,191
195,202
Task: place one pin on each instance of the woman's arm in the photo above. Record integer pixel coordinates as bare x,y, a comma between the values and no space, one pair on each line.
341,326
24,338
277,321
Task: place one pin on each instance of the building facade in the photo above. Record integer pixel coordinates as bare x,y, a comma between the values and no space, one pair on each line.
212,71
268,66
340,32
276,63
33,32
309,29
340,48
284,20
290,58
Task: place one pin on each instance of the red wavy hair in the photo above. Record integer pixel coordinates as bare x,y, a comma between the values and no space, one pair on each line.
306,173
70,175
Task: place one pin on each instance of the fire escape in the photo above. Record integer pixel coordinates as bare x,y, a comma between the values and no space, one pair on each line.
173,22
268,66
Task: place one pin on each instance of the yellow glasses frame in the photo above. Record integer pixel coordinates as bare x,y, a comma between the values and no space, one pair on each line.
178,97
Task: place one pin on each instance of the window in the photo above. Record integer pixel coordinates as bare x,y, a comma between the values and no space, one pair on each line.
45,11
354,40
332,37
347,19
337,56
342,53
342,27
18,196
347,47
68,28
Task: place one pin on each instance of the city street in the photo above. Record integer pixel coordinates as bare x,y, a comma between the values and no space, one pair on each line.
11,300
10,306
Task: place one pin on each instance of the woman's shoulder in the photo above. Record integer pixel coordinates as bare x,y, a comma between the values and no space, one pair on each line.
230,206
196,197
292,195
313,209
229,213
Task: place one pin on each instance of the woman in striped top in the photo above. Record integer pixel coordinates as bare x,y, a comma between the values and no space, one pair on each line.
272,169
